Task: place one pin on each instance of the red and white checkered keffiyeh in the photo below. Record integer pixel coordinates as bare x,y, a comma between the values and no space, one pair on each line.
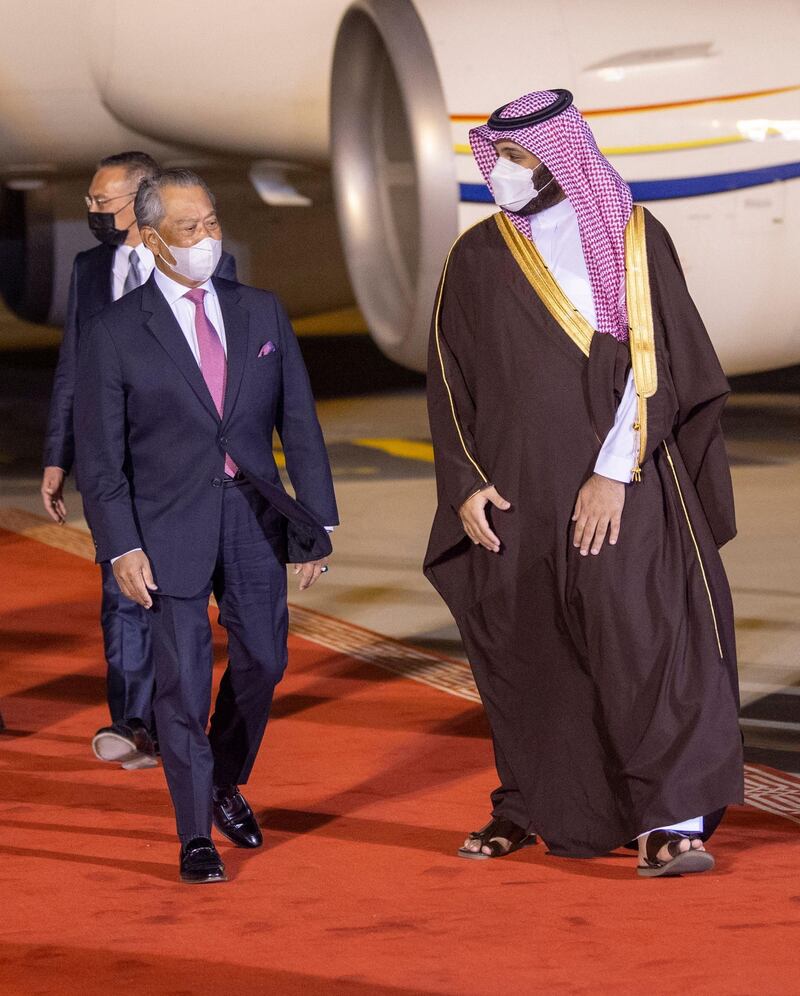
600,197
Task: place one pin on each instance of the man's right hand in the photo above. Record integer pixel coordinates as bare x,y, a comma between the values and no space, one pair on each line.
52,491
474,521
134,577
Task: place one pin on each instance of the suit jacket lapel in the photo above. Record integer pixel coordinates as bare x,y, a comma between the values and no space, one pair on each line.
164,326
237,328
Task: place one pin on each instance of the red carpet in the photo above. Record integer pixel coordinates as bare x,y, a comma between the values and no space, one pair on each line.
365,785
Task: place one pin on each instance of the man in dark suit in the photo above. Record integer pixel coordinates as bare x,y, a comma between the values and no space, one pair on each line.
180,387
99,276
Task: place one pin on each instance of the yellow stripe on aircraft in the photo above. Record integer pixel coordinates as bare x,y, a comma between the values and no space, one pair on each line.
640,150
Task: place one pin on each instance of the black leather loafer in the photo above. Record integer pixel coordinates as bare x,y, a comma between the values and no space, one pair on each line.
201,863
234,817
127,742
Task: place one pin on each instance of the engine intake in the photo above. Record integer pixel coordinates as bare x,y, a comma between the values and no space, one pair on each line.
393,168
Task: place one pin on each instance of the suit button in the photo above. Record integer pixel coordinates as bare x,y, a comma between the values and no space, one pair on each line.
217,482
224,440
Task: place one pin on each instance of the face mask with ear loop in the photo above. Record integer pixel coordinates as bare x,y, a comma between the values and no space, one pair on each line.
513,186
196,263
103,225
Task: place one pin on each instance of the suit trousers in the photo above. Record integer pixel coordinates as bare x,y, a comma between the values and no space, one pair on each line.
249,583
128,650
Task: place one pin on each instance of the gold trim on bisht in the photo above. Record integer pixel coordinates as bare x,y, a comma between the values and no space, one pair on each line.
696,548
640,324
437,312
544,283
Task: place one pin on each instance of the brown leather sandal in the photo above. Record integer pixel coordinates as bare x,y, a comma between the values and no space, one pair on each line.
498,829
681,862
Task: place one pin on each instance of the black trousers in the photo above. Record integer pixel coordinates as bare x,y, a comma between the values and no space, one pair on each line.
129,658
249,583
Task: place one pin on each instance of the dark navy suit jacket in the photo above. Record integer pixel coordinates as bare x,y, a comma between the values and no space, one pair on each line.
90,291
151,446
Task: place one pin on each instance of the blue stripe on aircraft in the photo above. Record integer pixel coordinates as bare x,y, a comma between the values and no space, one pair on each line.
662,190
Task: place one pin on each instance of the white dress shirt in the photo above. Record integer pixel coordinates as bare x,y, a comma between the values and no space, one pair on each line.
557,237
183,309
121,265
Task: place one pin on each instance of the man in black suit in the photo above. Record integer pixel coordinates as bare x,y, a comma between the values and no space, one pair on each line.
180,387
99,276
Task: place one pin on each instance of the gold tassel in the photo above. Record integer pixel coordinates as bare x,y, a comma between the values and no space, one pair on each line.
636,473
640,426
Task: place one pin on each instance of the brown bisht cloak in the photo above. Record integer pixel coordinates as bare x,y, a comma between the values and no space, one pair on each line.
609,681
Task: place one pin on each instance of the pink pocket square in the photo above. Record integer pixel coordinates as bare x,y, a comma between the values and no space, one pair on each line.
267,348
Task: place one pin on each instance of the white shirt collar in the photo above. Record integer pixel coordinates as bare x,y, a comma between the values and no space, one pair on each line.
558,214
173,291
142,252
146,258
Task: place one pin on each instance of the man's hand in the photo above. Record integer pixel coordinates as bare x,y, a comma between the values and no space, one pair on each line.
134,577
598,511
52,491
474,521
309,572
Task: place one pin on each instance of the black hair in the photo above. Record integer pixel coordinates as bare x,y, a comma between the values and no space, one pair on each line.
138,165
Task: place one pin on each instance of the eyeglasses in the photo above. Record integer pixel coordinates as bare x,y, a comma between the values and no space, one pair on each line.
100,202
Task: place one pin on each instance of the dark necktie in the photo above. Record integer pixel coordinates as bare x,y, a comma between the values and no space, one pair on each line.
134,275
213,365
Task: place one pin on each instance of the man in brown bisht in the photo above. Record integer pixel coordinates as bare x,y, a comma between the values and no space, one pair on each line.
575,397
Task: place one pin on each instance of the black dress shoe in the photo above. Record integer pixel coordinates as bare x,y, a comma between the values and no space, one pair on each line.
234,817
201,863
126,742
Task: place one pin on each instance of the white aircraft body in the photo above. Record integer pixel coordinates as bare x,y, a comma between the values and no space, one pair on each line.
697,104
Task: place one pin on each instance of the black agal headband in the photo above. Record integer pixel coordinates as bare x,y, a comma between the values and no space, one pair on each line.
561,103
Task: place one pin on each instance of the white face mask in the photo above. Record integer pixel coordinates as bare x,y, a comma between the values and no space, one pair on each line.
197,262
513,185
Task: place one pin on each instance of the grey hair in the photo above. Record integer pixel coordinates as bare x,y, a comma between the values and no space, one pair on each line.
148,208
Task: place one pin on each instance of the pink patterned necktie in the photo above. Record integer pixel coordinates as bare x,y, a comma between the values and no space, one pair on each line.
213,365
